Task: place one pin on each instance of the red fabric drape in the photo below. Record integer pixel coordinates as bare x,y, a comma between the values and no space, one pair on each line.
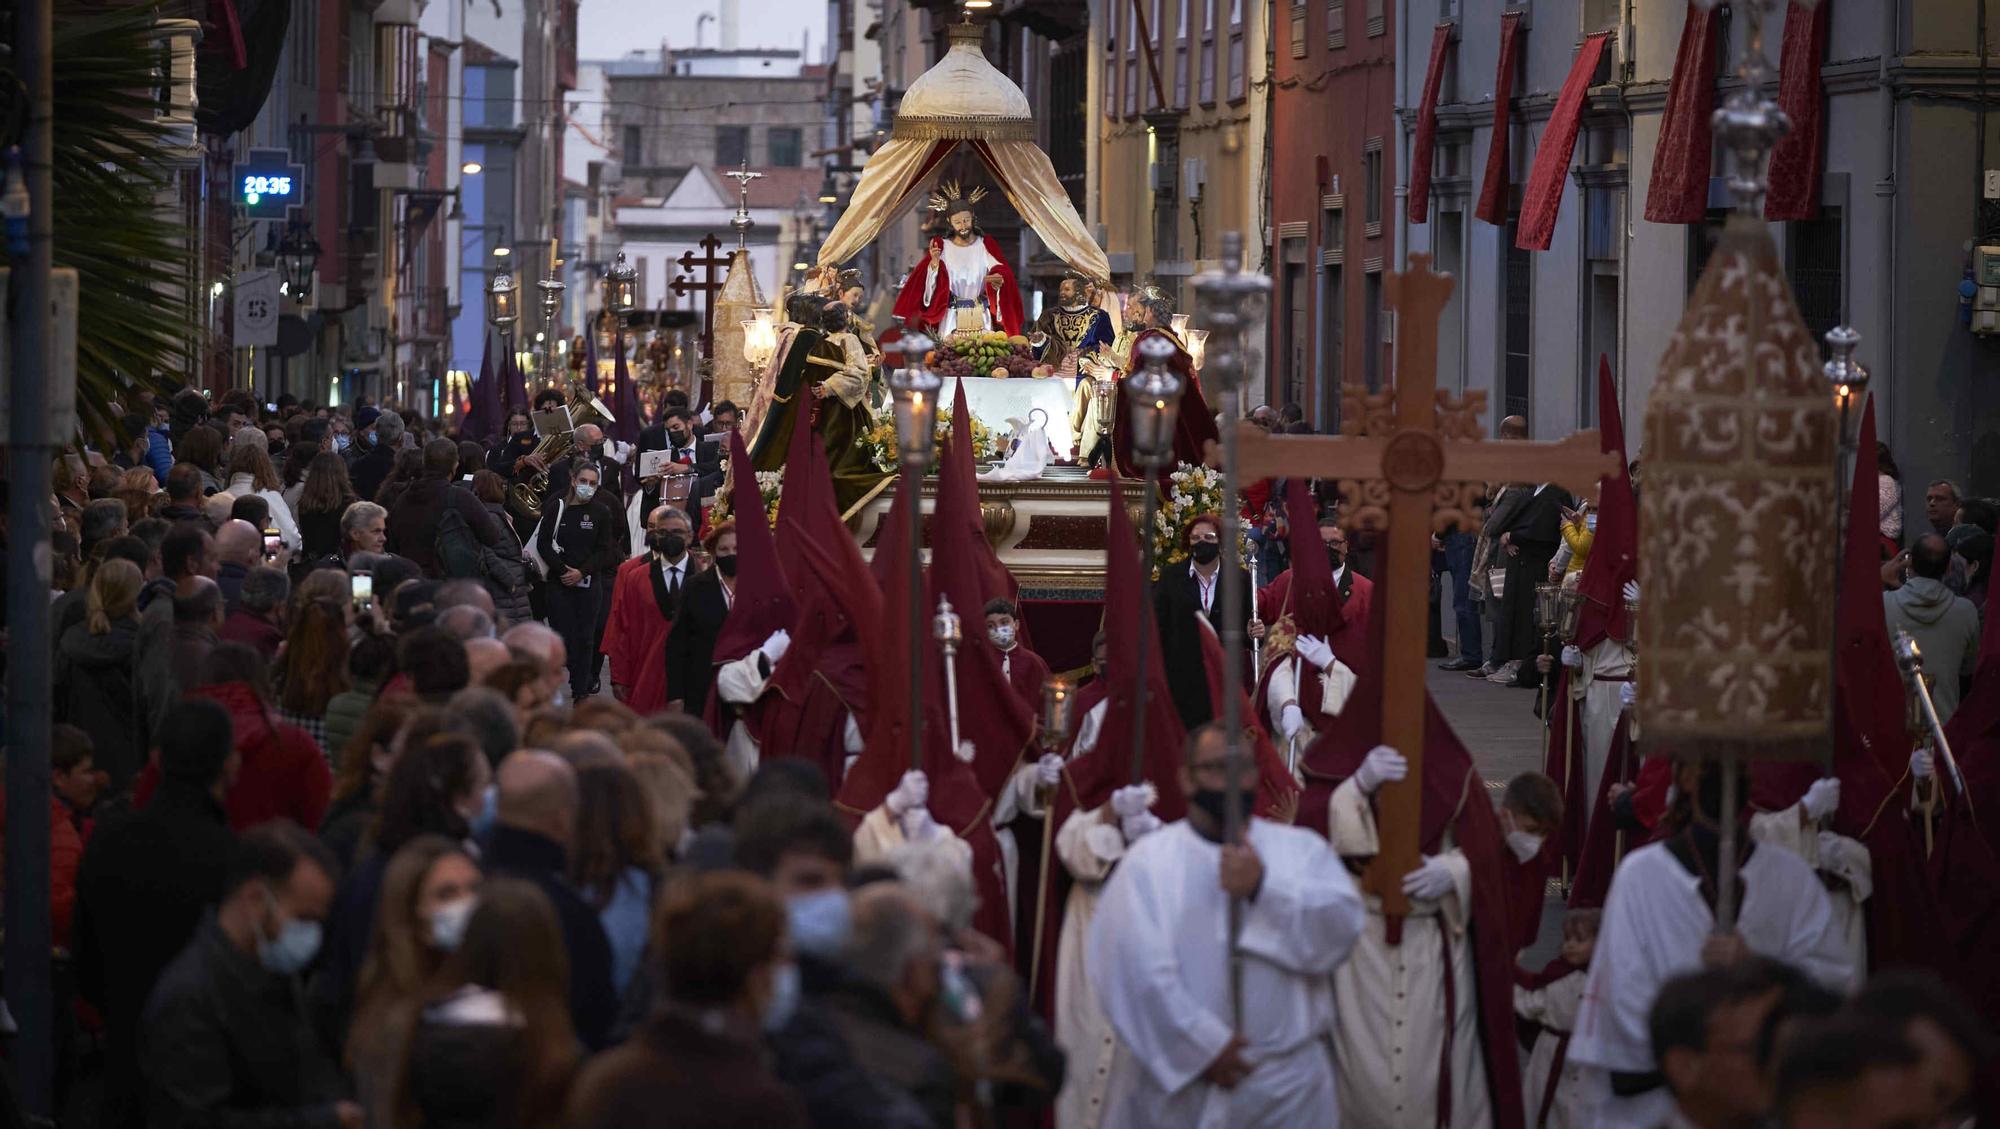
1678,192
1543,196
1493,190
1800,154
1422,148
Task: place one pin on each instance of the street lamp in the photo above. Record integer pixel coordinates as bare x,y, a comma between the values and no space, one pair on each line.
502,304
914,388
298,257
551,289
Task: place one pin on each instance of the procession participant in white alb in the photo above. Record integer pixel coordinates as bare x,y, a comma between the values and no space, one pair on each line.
1842,865
1659,922
1159,955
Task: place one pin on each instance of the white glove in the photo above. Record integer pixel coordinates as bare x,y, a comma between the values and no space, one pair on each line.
1572,658
1430,881
1132,800
1292,720
1921,765
1631,592
1628,695
966,752
1136,825
1048,770
913,791
775,645
1829,844
1382,765
850,737
919,827
1314,650
1822,798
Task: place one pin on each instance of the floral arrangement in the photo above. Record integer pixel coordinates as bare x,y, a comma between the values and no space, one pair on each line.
1190,491
880,441
768,483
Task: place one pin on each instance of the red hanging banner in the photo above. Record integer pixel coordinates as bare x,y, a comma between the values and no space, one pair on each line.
1800,155
1543,196
1678,192
1422,148
1493,189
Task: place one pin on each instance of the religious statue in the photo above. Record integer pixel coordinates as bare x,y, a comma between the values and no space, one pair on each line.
823,366
1149,314
1071,329
965,286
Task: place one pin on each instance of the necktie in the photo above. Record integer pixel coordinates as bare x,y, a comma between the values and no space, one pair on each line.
673,580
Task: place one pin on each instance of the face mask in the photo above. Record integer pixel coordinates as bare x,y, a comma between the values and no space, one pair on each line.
368,438
1335,558
784,1002
669,545
1212,801
956,995
819,922
296,944
1205,552
341,442
585,491
488,816
678,438
1002,637
726,564
560,699
1524,845
448,923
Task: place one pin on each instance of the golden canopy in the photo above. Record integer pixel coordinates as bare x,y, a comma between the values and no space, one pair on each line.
963,100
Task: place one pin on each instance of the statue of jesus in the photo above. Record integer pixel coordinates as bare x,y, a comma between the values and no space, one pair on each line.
964,285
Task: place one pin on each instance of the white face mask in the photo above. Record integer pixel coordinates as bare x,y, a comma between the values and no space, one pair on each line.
585,491
1524,845
1001,637
448,923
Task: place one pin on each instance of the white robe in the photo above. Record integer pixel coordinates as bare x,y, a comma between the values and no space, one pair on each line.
1389,1038
1655,921
1597,701
1845,859
1554,1007
968,267
1089,844
1158,952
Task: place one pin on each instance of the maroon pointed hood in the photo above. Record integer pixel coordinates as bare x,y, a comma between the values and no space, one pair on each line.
1614,549
763,597
1313,598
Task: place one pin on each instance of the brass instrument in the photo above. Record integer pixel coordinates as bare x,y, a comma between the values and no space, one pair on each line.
525,498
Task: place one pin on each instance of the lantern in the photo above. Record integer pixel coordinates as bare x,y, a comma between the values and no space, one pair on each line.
1155,393
621,287
1056,694
760,338
1197,346
502,308
298,257
914,389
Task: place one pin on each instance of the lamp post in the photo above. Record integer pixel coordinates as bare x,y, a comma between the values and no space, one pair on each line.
1155,394
914,391
503,305
551,289
1231,299
760,338
298,257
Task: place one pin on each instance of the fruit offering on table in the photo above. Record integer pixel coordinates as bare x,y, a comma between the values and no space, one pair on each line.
983,354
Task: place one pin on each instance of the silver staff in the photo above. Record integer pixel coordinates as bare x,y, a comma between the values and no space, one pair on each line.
950,633
1910,660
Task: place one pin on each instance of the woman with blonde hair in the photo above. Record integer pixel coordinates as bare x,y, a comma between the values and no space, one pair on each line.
251,472
428,896
141,493
95,688
669,791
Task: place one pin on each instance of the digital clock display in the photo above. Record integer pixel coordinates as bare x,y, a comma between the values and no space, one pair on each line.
256,186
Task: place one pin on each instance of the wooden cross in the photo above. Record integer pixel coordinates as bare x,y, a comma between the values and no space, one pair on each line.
710,288
1411,459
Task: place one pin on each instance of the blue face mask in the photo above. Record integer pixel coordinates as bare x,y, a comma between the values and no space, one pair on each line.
488,816
784,1002
340,442
448,923
819,922
295,946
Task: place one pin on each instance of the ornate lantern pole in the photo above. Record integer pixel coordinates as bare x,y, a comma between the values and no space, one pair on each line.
503,305
1155,393
914,390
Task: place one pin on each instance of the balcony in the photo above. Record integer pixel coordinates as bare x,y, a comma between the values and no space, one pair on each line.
422,315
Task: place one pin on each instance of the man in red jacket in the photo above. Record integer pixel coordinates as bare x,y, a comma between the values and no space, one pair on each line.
644,601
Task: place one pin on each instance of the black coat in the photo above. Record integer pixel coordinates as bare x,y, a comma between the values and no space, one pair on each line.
593,1001
606,550
708,469
227,1043
691,645
678,1070
368,472
144,883
1536,524
1177,607
894,1055
97,690
462,1075
412,524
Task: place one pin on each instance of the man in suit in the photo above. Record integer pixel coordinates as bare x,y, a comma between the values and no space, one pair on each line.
677,435
644,601
1529,542
705,604
1487,555
1187,601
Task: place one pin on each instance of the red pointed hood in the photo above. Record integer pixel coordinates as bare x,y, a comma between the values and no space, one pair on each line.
1313,599
839,604
891,538
956,799
1614,550
1095,776
958,510
763,597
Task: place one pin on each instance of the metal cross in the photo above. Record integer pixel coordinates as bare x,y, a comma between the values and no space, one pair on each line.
684,284
741,222
1410,459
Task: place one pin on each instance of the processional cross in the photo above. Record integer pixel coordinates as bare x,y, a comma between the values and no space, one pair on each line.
1411,459
709,288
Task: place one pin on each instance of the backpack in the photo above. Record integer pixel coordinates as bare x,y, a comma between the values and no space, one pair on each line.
458,551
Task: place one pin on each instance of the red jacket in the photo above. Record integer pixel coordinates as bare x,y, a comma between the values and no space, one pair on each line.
67,835
635,636
284,775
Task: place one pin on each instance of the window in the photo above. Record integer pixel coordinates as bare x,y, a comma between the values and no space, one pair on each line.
1129,16
1604,207
1333,341
1600,15
1371,187
1371,330
1517,325
732,145
1207,91
1131,87
1166,195
1239,62
1296,295
1812,261
1336,24
1376,24
632,152
1155,35
1108,76
1183,35
785,145
1298,29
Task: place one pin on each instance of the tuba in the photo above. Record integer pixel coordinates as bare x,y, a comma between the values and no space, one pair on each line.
525,498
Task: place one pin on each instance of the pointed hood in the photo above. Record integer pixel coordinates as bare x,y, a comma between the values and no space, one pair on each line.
958,511
590,361
763,598
482,408
891,537
624,427
517,382
1108,767
1614,550
1313,600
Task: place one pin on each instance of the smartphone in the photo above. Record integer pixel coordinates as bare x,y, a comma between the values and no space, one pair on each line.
362,587
273,544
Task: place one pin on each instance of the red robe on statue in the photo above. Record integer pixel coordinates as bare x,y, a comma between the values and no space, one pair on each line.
934,315
1194,427
635,637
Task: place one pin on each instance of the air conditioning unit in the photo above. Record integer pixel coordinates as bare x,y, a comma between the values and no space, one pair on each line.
1160,176
174,42
1194,174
